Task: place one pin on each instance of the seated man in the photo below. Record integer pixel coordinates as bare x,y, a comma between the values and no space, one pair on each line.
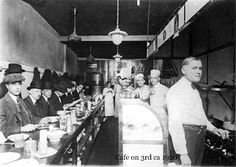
14,115
55,100
12,68
67,97
143,90
31,100
78,89
44,100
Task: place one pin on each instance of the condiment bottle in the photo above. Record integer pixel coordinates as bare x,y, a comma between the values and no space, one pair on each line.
43,144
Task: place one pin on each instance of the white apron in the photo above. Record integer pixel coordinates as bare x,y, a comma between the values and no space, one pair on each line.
109,103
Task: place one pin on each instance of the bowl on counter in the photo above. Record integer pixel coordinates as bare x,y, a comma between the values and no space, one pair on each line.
55,135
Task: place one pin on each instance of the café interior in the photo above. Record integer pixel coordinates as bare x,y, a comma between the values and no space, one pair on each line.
91,43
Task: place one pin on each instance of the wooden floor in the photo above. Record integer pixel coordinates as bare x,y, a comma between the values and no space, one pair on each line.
105,146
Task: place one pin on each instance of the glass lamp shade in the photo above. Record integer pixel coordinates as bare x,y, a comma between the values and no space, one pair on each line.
117,36
117,57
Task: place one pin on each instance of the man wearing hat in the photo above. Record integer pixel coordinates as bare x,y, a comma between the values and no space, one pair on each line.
31,100
14,115
158,92
143,90
55,101
44,100
67,97
12,68
77,91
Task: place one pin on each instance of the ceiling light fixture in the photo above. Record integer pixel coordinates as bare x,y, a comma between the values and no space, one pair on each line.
138,2
117,35
90,58
117,57
74,36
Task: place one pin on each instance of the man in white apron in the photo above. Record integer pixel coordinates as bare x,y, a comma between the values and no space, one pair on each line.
158,92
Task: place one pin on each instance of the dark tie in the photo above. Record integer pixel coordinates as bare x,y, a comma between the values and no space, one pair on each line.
25,114
37,107
18,106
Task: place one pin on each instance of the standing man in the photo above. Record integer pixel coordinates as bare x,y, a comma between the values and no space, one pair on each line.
14,115
31,100
187,120
117,90
143,90
158,92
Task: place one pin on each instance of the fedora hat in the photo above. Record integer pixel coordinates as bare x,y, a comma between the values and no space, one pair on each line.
46,85
67,83
14,68
10,78
35,85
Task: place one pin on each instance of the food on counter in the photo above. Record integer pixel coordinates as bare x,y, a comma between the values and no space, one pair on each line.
55,135
51,119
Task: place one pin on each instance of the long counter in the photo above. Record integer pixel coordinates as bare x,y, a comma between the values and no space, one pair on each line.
71,146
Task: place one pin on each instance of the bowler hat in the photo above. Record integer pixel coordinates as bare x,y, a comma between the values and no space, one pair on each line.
14,68
35,84
10,78
46,85
60,87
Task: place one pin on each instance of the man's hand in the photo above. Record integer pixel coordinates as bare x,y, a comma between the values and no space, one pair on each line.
220,132
185,160
28,128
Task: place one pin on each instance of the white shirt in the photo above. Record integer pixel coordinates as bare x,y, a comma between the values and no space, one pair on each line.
58,97
158,96
33,100
184,107
46,99
14,98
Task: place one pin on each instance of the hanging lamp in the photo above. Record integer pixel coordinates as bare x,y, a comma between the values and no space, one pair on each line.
74,36
90,58
117,35
117,57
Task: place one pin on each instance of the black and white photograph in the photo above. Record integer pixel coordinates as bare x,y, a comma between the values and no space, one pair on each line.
126,83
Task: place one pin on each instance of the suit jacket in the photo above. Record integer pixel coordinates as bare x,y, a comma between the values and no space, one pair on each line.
67,98
11,120
55,104
33,108
44,107
75,95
